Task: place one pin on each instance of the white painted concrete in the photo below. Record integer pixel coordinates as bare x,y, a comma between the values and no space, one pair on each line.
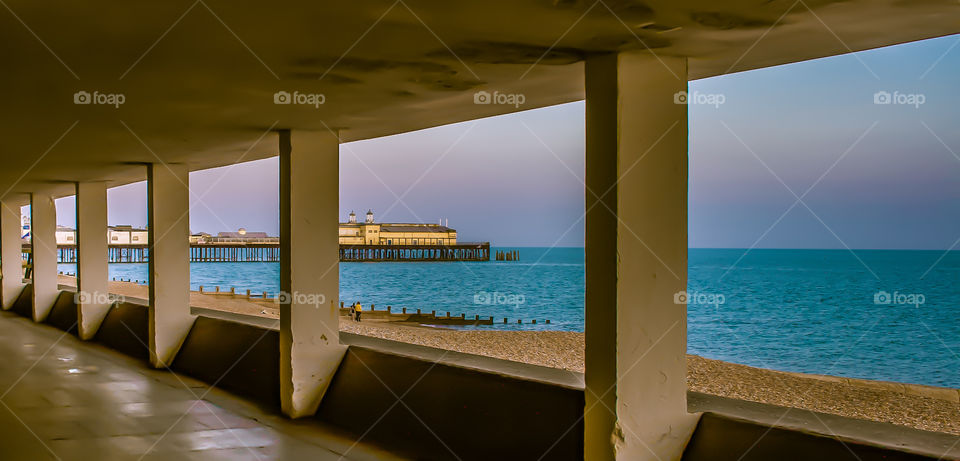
310,349
43,232
636,258
92,269
10,251
168,224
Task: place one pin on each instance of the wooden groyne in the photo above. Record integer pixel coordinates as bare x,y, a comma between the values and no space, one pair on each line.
511,255
270,252
427,318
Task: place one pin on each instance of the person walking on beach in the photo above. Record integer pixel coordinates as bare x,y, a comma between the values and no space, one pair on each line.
357,310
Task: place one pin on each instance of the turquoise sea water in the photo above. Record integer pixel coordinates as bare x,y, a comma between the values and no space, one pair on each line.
814,311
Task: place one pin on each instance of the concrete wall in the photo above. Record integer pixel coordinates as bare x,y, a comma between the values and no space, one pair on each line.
240,358
450,412
125,328
721,438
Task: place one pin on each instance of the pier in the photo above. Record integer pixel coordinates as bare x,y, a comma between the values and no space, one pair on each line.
270,252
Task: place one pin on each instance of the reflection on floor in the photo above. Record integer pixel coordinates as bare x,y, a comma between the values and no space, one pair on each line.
64,399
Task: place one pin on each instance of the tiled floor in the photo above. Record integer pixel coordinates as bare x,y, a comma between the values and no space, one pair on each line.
64,399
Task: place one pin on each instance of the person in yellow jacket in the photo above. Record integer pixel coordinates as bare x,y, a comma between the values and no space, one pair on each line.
357,309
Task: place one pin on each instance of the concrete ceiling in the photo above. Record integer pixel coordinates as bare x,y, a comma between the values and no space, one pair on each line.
199,76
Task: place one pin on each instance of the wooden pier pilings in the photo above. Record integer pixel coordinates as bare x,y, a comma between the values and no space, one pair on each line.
270,252
458,252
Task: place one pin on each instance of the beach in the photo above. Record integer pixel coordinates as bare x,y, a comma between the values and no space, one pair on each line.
920,407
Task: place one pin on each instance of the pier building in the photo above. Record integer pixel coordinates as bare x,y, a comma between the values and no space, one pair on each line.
370,232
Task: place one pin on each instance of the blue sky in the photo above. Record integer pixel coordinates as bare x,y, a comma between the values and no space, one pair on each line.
880,176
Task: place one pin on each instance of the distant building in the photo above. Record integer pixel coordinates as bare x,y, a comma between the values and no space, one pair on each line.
242,234
372,233
201,237
116,235
66,235
125,235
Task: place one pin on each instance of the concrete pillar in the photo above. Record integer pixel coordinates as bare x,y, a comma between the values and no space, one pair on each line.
310,349
11,248
168,235
92,271
636,258
43,236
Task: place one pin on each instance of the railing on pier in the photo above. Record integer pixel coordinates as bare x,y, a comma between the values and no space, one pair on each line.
245,251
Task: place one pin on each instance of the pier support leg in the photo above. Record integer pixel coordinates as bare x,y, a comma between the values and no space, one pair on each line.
11,249
92,269
43,232
168,218
310,349
636,258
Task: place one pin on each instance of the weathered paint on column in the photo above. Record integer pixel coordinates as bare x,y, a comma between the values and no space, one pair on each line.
11,248
636,258
92,269
168,234
310,349
43,236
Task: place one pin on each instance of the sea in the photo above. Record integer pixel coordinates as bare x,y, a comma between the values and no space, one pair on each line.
890,315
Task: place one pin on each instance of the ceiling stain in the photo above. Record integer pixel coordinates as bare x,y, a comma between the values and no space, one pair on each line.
727,21
485,52
446,83
619,42
317,75
630,10
328,63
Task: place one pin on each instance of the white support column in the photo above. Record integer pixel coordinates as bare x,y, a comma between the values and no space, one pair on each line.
43,236
310,349
636,258
11,249
168,235
92,269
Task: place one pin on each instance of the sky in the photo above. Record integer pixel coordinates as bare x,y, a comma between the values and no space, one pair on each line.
867,175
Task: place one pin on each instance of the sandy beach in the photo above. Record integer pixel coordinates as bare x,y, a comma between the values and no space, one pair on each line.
932,409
